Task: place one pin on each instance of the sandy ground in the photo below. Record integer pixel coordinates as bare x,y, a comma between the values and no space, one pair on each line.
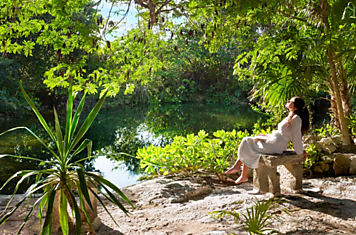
181,206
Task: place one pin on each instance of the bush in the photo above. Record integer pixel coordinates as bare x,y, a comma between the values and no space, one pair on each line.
192,153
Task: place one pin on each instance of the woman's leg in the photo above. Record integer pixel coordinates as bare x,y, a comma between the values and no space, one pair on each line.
235,168
243,177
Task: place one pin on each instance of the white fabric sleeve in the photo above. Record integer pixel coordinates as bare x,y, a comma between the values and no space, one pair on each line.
297,134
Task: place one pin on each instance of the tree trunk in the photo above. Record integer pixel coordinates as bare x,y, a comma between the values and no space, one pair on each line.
344,130
334,110
346,140
344,91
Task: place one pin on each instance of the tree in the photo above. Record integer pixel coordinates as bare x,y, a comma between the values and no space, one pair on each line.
308,46
326,27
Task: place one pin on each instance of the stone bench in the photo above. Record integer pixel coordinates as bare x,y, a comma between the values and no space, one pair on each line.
266,178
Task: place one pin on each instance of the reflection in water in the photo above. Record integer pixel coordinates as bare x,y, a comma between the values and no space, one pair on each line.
121,177
128,129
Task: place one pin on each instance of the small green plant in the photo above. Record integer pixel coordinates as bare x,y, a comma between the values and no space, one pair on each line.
327,131
63,173
260,128
313,156
257,218
192,153
351,124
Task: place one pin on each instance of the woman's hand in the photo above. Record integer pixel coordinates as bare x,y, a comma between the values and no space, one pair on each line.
261,135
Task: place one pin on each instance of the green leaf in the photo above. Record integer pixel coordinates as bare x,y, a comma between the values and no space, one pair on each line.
78,227
31,211
63,214
76,118
101,180
83,186
103,204
114,199
88,121
38,114
33,134
68,131
59,141
46,226
82,146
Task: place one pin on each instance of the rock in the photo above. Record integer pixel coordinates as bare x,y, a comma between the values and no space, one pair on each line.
352,170
329,149
326,141
310,139
328,158
342,163
336,139
321,167
318,146
327,145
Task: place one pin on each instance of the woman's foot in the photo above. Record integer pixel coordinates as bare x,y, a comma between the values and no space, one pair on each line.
241,180
233,169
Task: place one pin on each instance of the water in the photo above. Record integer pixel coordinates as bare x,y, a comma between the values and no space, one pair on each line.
126,130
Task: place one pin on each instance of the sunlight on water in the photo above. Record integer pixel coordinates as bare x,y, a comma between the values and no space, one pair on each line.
120,177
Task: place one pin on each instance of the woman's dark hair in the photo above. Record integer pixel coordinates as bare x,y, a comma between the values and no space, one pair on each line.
302,112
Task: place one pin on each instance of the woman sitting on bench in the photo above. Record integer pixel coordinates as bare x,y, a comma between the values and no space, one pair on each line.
290,129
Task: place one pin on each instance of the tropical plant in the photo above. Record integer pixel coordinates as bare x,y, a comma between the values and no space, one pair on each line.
62,173
327,130
257,218
193,153
313,155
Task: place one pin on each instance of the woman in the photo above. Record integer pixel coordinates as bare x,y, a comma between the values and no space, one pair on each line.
290,129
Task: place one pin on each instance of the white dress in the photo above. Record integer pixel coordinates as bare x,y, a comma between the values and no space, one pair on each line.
250,148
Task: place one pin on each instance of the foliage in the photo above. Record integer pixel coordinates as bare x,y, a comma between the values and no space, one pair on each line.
351,121
313,155
63,172
257,218
192,153
327,131
9,100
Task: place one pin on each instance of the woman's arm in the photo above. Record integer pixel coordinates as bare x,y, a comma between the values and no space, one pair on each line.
297,134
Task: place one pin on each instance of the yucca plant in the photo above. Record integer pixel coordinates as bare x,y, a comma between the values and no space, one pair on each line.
63,174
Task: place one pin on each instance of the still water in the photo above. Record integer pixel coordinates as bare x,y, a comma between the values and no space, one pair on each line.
125,130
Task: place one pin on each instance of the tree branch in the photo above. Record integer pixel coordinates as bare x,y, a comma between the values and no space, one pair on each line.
163,5
141,3
295,18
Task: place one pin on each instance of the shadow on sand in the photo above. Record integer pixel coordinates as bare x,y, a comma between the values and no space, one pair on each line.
337,207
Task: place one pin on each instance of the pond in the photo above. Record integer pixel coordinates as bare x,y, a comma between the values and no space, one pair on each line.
125,129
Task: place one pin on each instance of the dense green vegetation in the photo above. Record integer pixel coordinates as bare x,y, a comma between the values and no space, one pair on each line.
186,51
183,52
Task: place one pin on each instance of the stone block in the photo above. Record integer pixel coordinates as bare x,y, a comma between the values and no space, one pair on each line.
260,179
342,163
267,178
337,140
352,170
328,158
292,176
288,157
326,141
322,167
